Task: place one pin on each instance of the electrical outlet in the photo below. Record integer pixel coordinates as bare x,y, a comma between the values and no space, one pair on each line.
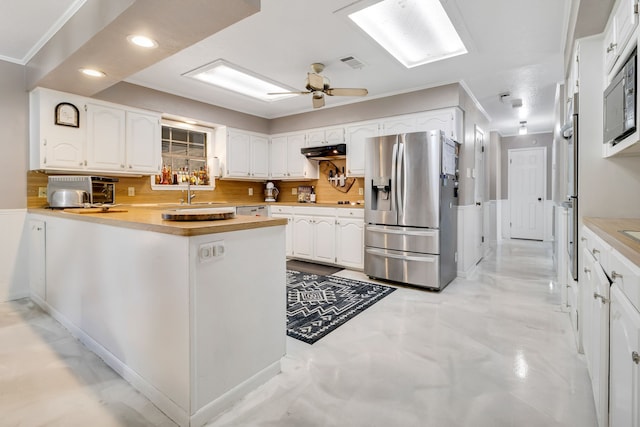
131,191
294,191
42,192
251,191
360,191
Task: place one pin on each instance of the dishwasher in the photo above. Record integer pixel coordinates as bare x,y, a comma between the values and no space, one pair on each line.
252,210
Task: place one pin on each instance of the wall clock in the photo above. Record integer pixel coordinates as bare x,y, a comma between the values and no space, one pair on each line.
67,115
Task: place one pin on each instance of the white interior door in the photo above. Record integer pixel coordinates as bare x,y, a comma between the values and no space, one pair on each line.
527,189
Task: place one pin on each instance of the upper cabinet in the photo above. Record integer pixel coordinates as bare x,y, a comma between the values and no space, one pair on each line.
105,137
621,25
325,136
287,162
356,137
243,155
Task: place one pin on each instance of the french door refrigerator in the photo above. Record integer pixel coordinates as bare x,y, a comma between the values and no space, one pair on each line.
411,192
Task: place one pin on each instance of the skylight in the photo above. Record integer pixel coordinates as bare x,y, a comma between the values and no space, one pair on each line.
415,32
232,77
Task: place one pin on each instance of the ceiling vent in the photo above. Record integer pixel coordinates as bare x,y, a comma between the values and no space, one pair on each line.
352,62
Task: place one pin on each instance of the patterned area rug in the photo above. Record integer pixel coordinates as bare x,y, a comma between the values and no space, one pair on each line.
316,305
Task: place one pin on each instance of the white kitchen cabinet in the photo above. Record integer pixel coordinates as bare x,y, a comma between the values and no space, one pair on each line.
243,155
622,23
448,120
37,258
287,213
325,136
350,238
396,125
356,137
595,315
52,146
287,162
314,238
144,150
624,376
106,136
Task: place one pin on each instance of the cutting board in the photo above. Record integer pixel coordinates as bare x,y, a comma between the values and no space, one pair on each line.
199,214
94,210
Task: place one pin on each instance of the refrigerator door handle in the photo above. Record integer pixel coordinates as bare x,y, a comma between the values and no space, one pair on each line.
399,177
378,229
394,187
385,254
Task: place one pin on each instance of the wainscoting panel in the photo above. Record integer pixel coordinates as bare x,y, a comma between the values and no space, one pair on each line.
13,255
470,248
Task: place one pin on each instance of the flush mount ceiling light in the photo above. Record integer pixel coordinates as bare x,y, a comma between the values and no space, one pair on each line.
91,72
522,130
142,41
415,32
232,77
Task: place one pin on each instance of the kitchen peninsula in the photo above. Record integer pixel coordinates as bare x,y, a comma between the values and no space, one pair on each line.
190,313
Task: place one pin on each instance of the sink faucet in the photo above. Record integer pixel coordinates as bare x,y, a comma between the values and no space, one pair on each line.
189,195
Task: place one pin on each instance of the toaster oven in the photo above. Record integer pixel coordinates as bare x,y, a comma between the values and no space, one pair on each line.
95,190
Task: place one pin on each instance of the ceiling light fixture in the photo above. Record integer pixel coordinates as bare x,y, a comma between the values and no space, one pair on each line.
415,32
522,130
232,77
92,72
142,41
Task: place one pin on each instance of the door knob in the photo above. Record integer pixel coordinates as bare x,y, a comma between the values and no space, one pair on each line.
539,199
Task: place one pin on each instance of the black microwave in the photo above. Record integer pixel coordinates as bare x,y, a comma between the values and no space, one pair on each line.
620,103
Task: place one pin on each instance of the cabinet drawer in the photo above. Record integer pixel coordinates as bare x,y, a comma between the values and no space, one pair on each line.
281,210
415,269
403,239
350,213
627,276
600,250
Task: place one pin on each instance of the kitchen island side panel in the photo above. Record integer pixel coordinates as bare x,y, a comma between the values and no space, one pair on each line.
239,311
128,291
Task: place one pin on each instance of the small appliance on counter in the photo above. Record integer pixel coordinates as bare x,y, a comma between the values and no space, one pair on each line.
271,192
73,191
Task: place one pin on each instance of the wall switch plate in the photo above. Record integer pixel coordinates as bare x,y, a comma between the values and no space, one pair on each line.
42,192
131,191
360,191
251,191
294,191
209,251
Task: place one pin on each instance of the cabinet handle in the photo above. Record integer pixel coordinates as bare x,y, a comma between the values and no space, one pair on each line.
611,47
595,251
615,275
583,239
635,357
122,166
85,163
603,299
80,164
586,270
130,167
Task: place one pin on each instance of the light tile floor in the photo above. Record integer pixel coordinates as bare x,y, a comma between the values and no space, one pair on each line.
494,350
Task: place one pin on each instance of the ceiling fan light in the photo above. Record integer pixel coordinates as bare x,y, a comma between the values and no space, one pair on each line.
231,77
522,130
415,32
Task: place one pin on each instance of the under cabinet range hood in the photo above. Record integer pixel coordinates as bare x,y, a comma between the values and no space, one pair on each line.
325,152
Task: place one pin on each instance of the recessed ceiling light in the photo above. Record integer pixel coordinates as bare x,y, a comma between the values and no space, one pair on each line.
142,41
415,32
232,77
91,72
522,130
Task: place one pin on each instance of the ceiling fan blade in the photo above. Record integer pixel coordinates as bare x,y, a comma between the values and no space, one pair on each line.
346,91
315,82
289,93
318,100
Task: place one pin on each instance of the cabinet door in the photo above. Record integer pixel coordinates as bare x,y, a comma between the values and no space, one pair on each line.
238,154
334,135
609,46
143,142
259,157
105,138
278,156
295,159
437,120
398,125
303,237
37,260
350,243
325,239
625,20
356,136
598,331
288,232
316,138
624,393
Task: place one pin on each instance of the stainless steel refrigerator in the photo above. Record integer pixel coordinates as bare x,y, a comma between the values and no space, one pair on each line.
411,192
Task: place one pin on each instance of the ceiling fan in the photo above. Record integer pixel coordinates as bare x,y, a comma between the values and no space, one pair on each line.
318,86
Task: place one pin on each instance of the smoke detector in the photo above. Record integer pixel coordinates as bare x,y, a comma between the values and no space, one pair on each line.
504,96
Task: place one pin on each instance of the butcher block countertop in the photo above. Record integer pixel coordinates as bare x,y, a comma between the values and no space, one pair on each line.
150,219
610,230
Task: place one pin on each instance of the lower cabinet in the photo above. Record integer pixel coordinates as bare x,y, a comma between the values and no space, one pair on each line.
326,235
624,393
37,258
